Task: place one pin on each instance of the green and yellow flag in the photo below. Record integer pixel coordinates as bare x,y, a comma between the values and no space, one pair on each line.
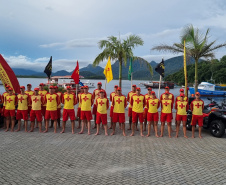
130,69
108,71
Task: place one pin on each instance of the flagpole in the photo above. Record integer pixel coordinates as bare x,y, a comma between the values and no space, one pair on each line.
131,80
105,83
160,81
76,90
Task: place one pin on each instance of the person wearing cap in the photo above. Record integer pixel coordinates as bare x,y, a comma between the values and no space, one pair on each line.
119,104
95,96
3,102
69,100
129,95
30,93
166,113
10,106
102,104
58,108
147,96
79,106
36,101
86,104
42,92
153,104
111,110
52,101
182,107
179,97
22,109
197,106
138,104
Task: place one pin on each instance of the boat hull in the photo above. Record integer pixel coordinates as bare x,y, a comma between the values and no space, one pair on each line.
207,92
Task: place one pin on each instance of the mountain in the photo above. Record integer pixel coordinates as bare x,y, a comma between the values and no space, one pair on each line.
95,70
27,72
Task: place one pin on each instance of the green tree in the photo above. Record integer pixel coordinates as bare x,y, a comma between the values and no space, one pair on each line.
120,51
197,46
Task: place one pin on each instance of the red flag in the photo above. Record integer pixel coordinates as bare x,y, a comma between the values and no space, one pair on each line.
75,74
7,75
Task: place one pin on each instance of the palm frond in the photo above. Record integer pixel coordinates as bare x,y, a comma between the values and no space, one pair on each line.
139,59
166,48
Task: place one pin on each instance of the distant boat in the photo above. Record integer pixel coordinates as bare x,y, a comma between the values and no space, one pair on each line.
155,84
209,89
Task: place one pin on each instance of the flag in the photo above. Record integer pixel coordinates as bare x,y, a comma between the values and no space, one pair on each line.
48,69
185,71
75,74
160,68
7,76
130,69
108,71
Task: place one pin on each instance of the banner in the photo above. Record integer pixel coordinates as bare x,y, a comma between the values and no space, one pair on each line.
75,74
48,69
160,68
108,71
7,76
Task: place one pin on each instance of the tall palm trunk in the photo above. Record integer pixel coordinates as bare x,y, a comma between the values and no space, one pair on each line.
120,73
196,75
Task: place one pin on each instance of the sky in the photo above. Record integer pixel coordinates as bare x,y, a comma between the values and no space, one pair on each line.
69,30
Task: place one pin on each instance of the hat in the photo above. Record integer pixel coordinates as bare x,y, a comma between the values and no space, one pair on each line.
10,88
149,88
187,88
119,89
22,87
68,87
101,91
55,87
36,89
192,95
85,87
7,86
28,84
82,87
138,88
152,92
99,83
41,84
181,90
134,86
181,94
197,93
116,86
51,87
166,87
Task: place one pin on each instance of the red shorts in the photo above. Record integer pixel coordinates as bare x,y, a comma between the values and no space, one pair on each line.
101,118
43,111
79,112
58,113
36,114
145,113
94,109
152,116
130,112
68,113
86,115
166,117
9,113
22,114
51,114
135,117
29,109
197,118
111,111
3,109
118,117
181,117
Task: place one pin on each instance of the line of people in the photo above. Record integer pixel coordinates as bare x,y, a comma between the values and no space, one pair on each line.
38,104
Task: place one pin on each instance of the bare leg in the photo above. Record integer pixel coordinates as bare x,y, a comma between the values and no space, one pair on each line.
149,129
106,130
73,126
25,123
19,126
169,129
7,123
141,129
55,126
162,128
177,128
32,126
145,124
79,123
111,124
156,128
63,127
120,127
130,123
13,123
95,125
137,126
58,121
113,129
89,125
46,125
133,129
193,132
52,122
82,129
123,129
184,129
40,126
200,132
98,129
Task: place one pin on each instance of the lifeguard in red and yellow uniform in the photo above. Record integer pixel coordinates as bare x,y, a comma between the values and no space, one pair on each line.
69,100
79,107
153,115
30,93
119,104
197,106
36,102
111,109
138,103
129,95
178,98
9,112
147,96
166,113
86,104
52,101
102,104
181,106
22,109
3,101
95,96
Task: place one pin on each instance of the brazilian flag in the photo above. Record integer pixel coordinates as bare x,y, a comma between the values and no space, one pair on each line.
160,68
48,69
130,69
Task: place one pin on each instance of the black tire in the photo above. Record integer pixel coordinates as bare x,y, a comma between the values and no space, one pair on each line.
217,128
188,124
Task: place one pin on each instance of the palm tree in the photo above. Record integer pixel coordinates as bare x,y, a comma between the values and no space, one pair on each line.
197,46
120,51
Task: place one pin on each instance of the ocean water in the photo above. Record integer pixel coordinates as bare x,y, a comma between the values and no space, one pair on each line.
126,87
